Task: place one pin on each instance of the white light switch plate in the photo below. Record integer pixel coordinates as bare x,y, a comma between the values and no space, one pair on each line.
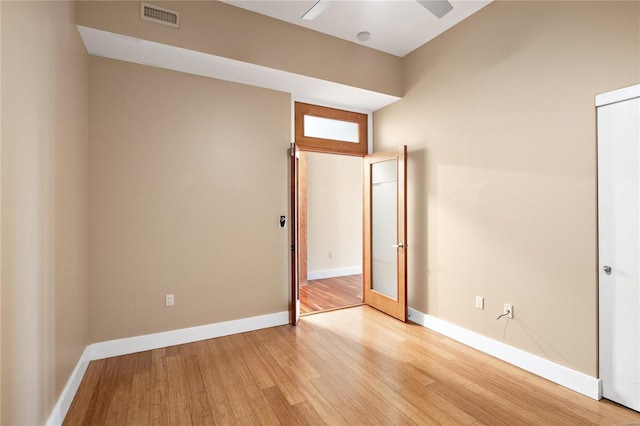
169,300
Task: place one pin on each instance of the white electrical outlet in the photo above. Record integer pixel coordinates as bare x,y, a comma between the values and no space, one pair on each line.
508,310
479,302
169,300
330,255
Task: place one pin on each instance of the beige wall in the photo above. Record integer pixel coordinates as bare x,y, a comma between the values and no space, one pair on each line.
499,119
188,177
334,217
220,29
44,206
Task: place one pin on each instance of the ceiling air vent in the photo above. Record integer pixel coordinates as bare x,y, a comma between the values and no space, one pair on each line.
159,15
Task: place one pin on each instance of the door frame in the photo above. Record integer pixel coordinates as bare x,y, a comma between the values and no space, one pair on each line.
302,145
294,305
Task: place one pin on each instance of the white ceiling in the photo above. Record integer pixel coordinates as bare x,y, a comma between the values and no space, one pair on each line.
397,26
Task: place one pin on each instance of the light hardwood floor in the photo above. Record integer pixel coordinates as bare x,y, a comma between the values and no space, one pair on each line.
330,293
352,366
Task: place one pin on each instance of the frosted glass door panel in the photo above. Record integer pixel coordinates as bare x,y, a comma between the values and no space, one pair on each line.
384,224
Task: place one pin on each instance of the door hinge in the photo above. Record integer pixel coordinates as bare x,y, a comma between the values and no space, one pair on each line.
293,247
292,149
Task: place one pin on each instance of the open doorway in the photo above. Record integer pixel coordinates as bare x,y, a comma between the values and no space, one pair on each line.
343,135
330,218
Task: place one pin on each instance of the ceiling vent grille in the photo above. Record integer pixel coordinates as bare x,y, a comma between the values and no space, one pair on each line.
159,15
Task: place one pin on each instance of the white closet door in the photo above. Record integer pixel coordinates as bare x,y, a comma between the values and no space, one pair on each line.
619,247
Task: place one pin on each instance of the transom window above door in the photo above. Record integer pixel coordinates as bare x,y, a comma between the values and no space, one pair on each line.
323,129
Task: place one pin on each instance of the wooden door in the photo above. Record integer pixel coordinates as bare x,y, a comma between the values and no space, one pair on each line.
302,219
385,232
619,245
294,307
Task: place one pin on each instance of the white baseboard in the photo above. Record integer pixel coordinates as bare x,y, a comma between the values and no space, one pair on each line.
69,392
154,341
331,273
574,380
185,335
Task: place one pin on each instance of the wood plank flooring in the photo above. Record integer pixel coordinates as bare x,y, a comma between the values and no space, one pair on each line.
330,293
352,366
